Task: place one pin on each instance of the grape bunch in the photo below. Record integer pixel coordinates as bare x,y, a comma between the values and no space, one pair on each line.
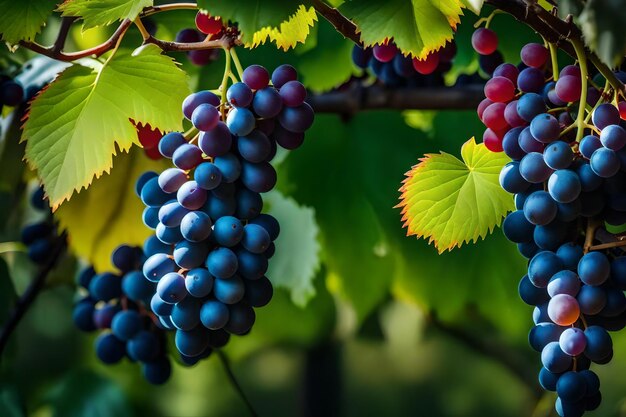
390,66
117,304
40,236
210,251
11,92
206,27
565,189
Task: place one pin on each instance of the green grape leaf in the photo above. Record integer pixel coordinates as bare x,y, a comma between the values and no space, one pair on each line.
474,5
417,27
289,33
108,213
76,123
255,15
22,20
452,201
420,119
602,24
103,12
329,64
297,250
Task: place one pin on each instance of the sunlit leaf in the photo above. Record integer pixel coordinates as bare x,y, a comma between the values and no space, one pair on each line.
289,33
22,20
452,202
103,12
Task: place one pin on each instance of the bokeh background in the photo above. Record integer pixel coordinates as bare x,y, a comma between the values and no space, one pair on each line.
371,322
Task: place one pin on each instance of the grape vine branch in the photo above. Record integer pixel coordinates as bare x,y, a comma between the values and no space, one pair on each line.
28,297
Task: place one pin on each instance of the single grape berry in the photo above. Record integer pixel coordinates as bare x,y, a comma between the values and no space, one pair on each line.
484,41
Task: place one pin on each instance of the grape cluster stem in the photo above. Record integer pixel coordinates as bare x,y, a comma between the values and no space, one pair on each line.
234,382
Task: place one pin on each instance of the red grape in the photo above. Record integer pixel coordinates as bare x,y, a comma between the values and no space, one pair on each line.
428,65
482,106
493,116
568,88
492,141
484,41
534,55
499,89
385,53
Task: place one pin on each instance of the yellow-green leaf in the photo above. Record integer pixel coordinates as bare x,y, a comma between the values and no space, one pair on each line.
416,26
474,5
23,19
76,125
452,202
290,32
109,212
103,12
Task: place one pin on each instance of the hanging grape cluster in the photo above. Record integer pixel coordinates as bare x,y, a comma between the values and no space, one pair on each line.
566,187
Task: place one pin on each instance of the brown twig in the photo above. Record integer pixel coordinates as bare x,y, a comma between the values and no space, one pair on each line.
59,43
148,11
342,24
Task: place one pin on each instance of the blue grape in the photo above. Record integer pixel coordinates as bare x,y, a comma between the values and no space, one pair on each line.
258,293
285,73
150,217
594,268
564,282
208,176
249,204
32,232
256,77
169,235
511,179
542,334
558,155
250,265
569,409
530,294
588,145
286,139
550,236
214,315
170,142
109,348
229,166
599,343
528,143
571,386
228,231
591,299
615,303
240,121
222,263
568,212
548,379
255,147
239,95
102,317
171,179
152,195
510,144
143,347
152,245
605,114
527,249
613,137
589,180
267,102
293,93
157,372
530,105
186,314
530,80
545,128
160,307
259,178
554,359
157,266
269,223
542,267
195,226
229,291
191,196
296,119
194,100
540,208
171,213
205,117
564,186
190,255
255,238
216,142
142,180
534,169
187,156
85,276
199,282
570,255
126,324
171,288
82,315
517,228
105,287
219,207
618,271
136,286
192,342
241,318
